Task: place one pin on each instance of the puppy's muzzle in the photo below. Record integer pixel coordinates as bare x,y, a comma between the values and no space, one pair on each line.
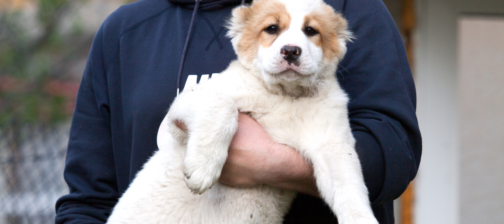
291,54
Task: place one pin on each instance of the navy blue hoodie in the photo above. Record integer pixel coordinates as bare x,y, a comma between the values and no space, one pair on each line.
131,77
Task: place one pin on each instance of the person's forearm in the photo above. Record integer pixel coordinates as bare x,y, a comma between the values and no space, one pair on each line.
289,170
269,163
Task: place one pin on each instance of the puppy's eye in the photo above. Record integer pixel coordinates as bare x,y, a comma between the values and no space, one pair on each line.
310,31
273,29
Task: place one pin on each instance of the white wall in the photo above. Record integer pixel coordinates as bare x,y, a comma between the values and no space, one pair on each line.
438,183
435,74
481,97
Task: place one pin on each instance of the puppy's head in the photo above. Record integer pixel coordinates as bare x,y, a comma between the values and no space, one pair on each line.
292,44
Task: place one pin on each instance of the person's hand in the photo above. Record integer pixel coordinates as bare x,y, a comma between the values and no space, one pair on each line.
249,155
254,159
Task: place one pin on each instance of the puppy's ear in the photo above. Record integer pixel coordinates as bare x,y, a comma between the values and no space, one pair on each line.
238,20
344,35
342,28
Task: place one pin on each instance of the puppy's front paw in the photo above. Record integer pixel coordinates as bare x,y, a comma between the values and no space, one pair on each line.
200,175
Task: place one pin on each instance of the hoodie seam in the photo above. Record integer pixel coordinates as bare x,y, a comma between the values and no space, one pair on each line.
129,29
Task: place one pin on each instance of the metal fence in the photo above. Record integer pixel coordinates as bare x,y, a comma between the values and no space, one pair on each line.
31,172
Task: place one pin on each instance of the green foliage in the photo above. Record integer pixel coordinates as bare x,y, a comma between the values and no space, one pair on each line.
33,53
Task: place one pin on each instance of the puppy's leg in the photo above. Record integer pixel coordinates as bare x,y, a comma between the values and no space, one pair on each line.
340,181
211,119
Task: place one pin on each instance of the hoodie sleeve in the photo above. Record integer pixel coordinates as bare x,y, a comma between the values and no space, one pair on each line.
89,169
376,75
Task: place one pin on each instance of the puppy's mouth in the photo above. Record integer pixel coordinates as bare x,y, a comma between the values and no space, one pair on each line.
290,73
291,69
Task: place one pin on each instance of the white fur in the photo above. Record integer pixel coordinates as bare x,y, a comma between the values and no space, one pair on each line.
179,183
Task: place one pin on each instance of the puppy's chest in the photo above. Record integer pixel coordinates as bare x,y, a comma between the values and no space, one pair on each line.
288,121
264,106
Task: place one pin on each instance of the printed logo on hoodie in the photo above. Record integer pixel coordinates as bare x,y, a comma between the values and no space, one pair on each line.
192,79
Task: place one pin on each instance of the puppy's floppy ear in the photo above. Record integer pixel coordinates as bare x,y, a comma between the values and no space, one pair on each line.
238,20
344,35
342,28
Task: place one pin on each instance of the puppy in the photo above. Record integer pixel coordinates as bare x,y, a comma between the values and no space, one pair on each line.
288,52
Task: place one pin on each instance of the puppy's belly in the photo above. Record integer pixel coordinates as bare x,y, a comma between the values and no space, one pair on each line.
159,195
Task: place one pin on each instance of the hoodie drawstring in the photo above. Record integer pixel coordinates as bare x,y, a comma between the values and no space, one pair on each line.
186,45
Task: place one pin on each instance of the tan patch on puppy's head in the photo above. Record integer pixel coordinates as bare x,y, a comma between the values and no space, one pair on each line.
250,23
332,28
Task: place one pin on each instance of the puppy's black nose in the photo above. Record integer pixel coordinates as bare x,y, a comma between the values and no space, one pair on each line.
290,53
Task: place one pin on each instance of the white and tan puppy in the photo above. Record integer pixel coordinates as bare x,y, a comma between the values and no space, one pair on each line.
288,52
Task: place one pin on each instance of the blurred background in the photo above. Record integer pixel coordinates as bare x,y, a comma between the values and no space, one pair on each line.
455,47
43,50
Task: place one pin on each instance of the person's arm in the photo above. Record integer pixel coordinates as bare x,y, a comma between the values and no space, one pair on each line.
89,169
254,158
376,74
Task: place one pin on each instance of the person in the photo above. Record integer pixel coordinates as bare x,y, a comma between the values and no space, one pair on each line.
131,78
